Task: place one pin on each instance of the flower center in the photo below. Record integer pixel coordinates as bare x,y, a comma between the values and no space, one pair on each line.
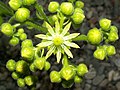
58,40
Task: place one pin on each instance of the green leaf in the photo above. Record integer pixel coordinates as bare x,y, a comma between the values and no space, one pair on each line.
80,38
66,28
71,44
42,36
5,9
58,55
50,29
40,11
67,51
71,36
44,44
49,53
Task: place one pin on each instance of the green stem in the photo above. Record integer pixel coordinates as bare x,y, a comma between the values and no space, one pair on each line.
36,26
80,38
65,61
11,19
16,25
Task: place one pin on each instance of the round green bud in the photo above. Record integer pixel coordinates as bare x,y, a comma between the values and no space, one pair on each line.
100,54
105,24
29,80
15,4
22,14
55,77
78,18
21,67
94,36
23,36
40,63
14,41
67,73
21,82
27,53
113,36
68,84
79,10
1,20
27,43
10,65
15,75
67,8
20,30
79,4
54,18
113,29
28,2
53,6
111,50
77,79
82,69
32,67
7,29
47,66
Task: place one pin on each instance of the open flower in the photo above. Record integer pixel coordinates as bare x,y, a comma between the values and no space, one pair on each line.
58,40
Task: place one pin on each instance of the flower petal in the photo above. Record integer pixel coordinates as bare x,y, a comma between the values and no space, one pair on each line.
58,55
67,51
66,28
42,36
68,37
71,44
49,53
50,29
44,44
57,27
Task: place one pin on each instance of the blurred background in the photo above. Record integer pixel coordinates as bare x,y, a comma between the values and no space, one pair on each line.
102,75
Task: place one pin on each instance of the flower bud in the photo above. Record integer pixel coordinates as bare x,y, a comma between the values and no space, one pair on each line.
77,18
15,75
40,63
21,82
94,36
54,18
68,84
79,10
100,54
113,36
53,6
15,4
32,67
82,69
47,66
67,73
110,50
113,29
10,65
20,30
79,4
27,43
23,36
28,2
27,53
29,80
105,24
55,77
77,79
67,8
22,14
7,29
21,67
14,41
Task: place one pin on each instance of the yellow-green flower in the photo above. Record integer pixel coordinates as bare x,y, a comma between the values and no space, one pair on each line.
58,40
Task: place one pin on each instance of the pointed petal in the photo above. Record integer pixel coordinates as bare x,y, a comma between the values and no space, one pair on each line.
57,27
58,55
71,44
67,51
50,29
66,28
42,36
71,36
44,44
49,53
